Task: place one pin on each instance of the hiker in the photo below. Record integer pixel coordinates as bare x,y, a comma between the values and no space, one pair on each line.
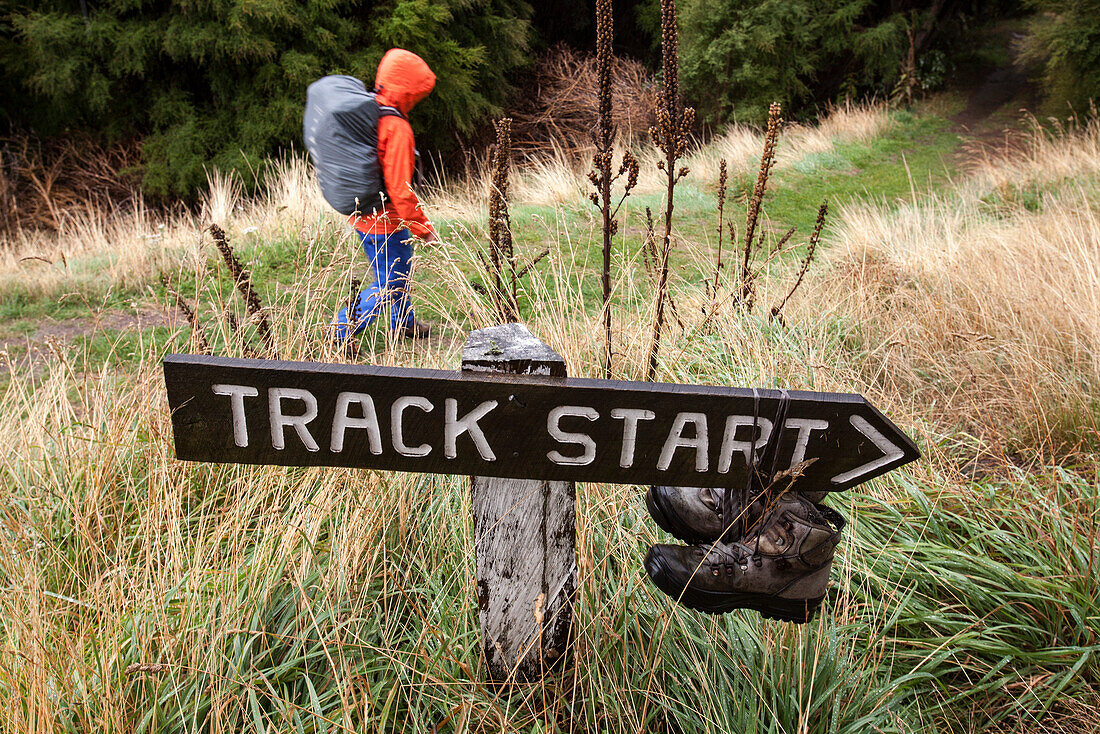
387,221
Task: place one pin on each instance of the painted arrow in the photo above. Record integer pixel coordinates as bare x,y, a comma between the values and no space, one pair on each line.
891,454
313,414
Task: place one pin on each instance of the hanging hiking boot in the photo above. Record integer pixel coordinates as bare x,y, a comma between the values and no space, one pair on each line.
692,514
699,514
704,514
780,569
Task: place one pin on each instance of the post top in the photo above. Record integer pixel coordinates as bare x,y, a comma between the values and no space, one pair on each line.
510,348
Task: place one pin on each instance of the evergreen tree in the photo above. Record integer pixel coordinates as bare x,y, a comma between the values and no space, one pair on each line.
737,56
13,68
222,82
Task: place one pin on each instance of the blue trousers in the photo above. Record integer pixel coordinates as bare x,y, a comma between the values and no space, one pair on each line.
389,258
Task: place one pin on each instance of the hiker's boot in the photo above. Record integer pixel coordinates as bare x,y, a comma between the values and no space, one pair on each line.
781,569
695,514
418,330
705,514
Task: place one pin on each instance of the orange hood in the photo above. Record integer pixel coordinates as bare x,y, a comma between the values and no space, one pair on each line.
403,79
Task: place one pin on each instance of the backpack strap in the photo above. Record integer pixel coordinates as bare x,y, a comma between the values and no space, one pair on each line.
387,111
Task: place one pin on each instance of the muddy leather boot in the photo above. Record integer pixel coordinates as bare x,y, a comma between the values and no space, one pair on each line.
704,514
781,569
692,514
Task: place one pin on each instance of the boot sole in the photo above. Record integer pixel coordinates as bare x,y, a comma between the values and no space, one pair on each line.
798,611
667,519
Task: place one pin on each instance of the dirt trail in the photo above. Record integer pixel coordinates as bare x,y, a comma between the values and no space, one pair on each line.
999,88
992,123
32,351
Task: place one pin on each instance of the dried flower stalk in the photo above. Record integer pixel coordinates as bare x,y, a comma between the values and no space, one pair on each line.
776,312
752,217
501,252
649,246
670,136
745,290
243,283
235,330
600,176
198,335
721,197
534,261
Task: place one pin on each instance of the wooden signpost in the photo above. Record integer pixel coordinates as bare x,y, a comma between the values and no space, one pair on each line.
525,533
525,432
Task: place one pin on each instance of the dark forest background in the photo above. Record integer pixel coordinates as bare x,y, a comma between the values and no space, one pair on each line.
196,84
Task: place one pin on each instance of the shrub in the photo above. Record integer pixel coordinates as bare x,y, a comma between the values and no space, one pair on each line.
738,56
1065,43
560,110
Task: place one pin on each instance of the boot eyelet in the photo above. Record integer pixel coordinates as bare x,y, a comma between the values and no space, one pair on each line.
757,561
729,570
714,571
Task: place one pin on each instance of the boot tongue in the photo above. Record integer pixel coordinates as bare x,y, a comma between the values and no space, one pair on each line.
814,515
803,509
795,525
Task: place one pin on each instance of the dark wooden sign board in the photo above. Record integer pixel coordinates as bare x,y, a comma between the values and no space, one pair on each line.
498,425
525,434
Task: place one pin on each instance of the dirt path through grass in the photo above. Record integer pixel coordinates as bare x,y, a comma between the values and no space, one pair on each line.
993,122
31,351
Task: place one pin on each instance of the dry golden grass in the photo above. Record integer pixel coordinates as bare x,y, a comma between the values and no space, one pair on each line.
559,177
97,251
100,250
1060,153
977,306
980,306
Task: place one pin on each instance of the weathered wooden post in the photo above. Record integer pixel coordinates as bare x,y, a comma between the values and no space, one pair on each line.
524,533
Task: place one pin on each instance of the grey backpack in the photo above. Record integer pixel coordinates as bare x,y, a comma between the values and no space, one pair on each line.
340,129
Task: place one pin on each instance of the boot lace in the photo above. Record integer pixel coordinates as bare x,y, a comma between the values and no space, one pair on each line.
729,558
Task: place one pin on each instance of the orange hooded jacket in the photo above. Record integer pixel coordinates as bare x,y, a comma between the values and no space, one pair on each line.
403,79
